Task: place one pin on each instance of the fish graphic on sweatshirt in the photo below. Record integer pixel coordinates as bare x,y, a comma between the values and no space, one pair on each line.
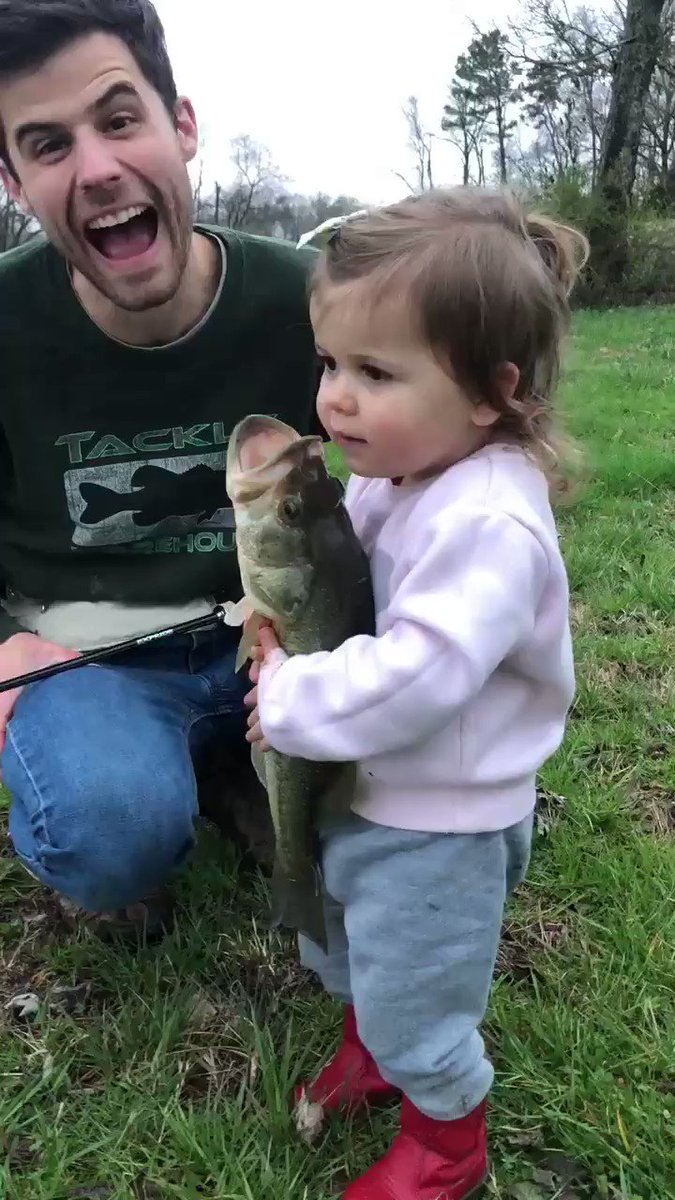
157,494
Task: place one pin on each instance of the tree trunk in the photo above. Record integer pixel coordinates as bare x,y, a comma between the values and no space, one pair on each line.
635,65
501,138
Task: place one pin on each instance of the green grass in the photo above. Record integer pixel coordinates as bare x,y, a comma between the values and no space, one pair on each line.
171,1078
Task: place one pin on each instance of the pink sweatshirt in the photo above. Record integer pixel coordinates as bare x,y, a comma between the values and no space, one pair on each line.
454,706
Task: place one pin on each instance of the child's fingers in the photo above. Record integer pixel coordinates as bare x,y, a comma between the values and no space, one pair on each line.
268,640
255,735
251,698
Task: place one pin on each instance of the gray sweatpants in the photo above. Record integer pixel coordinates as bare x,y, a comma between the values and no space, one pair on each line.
413,924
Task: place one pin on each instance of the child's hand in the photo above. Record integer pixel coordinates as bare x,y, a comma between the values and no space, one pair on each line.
255,733
264,652
266,645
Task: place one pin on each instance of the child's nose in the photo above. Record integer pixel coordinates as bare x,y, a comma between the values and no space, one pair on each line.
338,393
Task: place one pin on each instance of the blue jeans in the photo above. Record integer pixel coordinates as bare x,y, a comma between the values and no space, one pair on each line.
413,923
99,762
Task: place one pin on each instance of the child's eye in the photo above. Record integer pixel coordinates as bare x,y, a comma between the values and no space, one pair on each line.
375,373
329,364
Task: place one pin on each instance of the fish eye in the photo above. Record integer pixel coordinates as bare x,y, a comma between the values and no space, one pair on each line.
291,508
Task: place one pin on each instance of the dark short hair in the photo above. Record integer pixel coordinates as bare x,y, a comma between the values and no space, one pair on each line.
31,31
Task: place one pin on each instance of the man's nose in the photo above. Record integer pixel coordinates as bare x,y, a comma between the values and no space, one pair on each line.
96,162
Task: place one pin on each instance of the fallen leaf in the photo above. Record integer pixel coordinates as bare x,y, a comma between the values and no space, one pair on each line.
203,1012
23,1007
69,999
94,1192
525,1139
562,1167
309,1120
546,1178
526,1191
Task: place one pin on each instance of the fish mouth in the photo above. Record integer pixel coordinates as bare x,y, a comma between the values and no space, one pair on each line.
262,450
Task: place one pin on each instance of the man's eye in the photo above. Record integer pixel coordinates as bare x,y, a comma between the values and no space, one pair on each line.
121,122
50,147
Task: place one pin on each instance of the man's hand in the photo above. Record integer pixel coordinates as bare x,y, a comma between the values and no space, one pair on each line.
20,654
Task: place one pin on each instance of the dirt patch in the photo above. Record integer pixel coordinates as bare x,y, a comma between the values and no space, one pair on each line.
636,622
524,943
655,806
19,1154
548,811
656,679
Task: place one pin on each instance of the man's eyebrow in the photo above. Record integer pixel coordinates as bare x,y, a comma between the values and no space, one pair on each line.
115,92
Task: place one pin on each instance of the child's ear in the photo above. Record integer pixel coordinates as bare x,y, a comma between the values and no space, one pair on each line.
507,378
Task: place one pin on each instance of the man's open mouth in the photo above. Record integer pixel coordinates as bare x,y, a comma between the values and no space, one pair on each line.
124,234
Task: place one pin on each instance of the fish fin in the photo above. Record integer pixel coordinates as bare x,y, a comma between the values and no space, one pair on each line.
149,473
252,623
237,614
258,764
100,502
298,905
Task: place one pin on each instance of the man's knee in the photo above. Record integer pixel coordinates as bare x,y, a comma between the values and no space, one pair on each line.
102,849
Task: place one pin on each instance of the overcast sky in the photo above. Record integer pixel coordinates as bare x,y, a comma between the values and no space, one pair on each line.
322,85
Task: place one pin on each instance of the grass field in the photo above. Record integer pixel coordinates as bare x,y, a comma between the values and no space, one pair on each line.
166,1074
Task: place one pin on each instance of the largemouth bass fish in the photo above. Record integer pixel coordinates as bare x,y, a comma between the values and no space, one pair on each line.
303,568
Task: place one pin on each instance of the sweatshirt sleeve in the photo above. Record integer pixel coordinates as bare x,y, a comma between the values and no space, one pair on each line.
8,625
467,602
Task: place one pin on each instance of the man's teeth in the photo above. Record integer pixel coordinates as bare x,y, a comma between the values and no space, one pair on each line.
120,218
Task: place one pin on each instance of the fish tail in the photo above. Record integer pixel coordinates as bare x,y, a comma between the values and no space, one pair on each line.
298,904
100,501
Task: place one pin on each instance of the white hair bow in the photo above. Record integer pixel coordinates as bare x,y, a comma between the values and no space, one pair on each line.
325,231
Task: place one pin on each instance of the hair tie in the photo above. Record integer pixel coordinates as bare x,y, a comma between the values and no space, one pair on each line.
327,230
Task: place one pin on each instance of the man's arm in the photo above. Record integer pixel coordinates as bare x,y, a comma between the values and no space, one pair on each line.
20,651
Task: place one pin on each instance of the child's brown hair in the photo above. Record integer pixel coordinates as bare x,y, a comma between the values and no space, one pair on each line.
487,284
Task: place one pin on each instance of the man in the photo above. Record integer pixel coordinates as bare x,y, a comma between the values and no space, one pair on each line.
131,342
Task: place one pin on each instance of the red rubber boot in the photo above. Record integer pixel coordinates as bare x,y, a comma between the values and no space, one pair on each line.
429,1160
351,1079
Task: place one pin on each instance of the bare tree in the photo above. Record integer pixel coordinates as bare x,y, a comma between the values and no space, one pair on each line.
256,174
420,142
15,225
568,57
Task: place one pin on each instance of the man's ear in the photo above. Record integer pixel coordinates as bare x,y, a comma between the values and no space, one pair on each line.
186,128
14,189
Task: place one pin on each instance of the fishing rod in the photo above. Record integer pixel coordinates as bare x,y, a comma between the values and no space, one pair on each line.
219,616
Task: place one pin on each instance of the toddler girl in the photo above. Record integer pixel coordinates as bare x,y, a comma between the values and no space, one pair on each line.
439,322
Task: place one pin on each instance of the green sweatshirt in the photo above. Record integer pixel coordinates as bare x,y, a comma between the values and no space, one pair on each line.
112,458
